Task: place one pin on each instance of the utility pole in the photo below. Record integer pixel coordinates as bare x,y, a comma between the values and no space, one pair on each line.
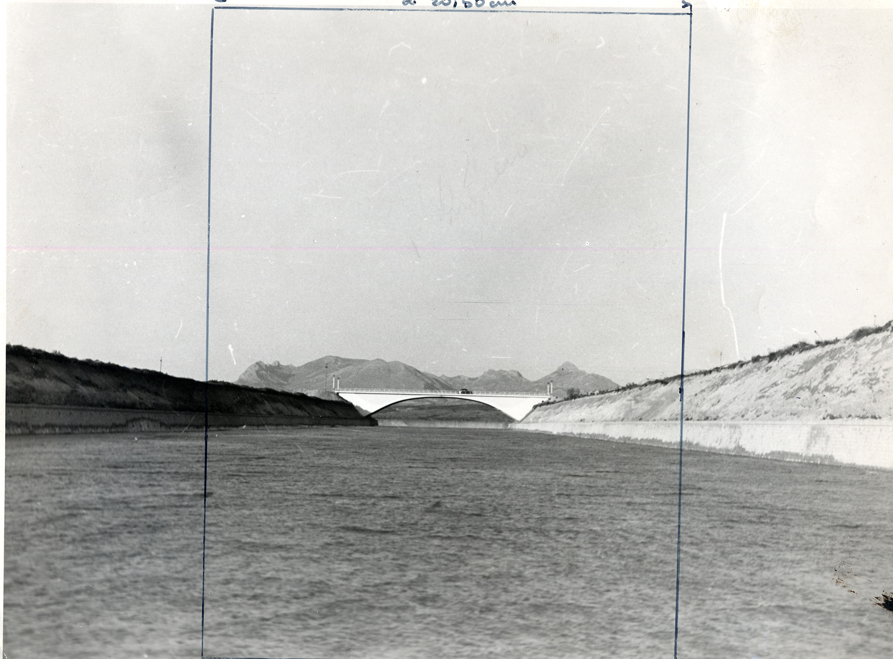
159,364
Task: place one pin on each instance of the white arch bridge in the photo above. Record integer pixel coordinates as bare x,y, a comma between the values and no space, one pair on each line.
370,401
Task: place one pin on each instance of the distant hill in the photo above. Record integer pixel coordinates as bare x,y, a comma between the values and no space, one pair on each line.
317,376
564,377
352,373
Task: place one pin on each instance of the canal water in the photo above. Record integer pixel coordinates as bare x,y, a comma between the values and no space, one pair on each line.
413,542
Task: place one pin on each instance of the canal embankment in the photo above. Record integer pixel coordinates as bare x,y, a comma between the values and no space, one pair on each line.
49,393
826,402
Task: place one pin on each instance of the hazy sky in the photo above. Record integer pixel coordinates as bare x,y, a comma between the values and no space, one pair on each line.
458,192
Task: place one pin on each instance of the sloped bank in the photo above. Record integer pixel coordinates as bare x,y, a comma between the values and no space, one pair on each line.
831,402
49,393
866,443
60,419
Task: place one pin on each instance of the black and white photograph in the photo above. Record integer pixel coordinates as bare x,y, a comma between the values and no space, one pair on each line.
422,328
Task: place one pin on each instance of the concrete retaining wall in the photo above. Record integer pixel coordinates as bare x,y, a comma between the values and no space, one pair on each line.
866,443
52,419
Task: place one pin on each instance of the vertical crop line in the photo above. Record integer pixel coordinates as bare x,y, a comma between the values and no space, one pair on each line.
682,365
207,327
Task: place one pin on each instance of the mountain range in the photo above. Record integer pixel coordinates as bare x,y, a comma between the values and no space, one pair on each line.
316,376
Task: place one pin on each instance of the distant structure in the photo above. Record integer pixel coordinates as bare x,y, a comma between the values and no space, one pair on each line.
517,406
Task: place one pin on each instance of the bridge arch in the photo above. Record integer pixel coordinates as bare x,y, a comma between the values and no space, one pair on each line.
516,406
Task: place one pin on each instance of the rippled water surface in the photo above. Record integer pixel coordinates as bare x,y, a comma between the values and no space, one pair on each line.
409,542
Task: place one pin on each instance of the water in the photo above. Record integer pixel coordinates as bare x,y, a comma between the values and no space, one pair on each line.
408,542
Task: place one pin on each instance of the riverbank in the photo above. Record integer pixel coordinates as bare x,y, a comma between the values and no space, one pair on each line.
60,419
866,443
49,393
825,402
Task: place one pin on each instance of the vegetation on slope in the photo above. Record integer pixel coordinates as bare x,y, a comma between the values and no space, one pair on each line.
848,378
37,377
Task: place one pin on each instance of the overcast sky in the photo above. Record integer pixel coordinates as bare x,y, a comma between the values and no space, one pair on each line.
458,192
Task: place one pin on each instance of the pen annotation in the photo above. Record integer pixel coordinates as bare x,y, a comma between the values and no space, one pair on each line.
467,4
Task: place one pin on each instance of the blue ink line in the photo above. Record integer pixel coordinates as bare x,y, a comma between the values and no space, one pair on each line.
207,328
682,367
463,10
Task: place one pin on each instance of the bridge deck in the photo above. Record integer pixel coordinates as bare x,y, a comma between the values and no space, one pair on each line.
439,392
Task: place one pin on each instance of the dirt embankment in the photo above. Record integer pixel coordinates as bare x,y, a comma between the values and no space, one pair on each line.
827,402
850,379
49,392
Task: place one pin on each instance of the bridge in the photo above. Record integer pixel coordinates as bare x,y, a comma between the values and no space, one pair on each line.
517,406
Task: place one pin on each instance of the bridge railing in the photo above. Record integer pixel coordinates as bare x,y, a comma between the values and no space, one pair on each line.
440,392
